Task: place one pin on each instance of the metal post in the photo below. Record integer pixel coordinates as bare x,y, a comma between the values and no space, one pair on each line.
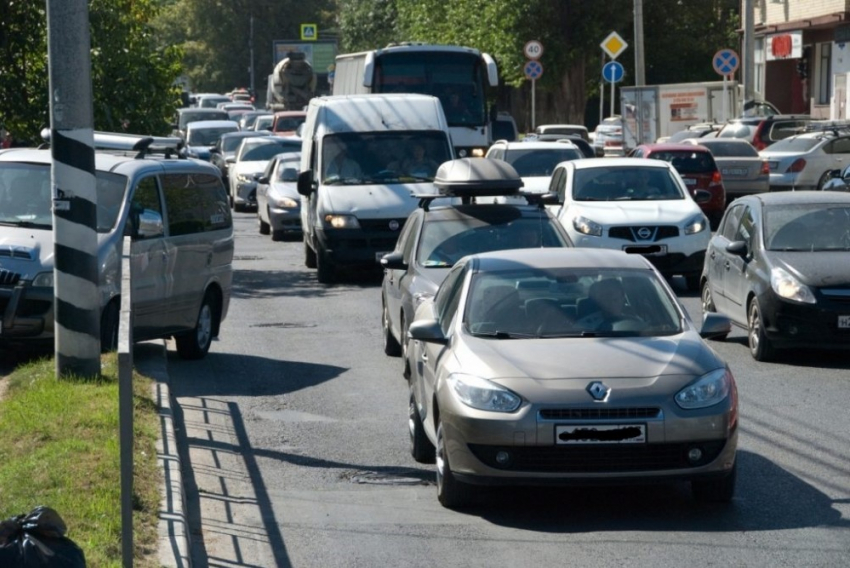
748,55
75,276
640,74
251,50
533,109
602,91
725,98
125,405
612,98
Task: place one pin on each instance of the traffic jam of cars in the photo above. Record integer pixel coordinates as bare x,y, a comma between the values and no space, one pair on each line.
529,292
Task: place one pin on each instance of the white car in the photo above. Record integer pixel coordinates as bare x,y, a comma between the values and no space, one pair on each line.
251,159
806,161
533,161
637,205
608,136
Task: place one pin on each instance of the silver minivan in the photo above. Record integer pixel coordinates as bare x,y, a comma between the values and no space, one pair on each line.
174,209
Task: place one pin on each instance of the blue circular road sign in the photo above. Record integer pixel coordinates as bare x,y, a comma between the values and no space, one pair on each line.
613,72
533,69
725,62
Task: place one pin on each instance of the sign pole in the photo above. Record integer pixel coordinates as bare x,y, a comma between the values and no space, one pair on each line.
725,98
612,98
533,108
602,92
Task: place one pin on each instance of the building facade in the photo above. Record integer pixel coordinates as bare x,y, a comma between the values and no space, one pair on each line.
802,55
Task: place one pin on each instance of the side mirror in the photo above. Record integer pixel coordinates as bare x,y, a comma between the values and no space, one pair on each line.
215,150
702,196
394,261
263,180
738,248
144,224
494,113
428,331
230,159
715,325
305,183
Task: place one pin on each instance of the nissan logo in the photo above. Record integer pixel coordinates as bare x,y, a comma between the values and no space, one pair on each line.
393,225
598,391
644,233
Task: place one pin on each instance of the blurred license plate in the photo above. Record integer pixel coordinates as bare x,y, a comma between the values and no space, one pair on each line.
379,256
690,181
601,434
843,323
734,172
646,250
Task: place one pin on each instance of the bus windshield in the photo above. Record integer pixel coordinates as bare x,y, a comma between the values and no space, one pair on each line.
457,79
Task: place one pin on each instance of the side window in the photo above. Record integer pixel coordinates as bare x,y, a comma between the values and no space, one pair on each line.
448,297
195,203
557,182
408,238
145,203
840,146
730,225
747,229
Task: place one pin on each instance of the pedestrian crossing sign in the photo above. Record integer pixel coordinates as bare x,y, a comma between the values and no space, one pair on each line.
309,31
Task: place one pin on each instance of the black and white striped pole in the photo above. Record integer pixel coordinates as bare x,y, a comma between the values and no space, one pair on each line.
76,303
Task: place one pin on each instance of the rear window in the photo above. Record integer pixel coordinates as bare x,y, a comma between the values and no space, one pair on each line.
795,144
738,130
687,162
732,149
284,123
504,130
538,163
780,130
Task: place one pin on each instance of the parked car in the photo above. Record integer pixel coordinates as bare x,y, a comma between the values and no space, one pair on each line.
533,161
694,131
246,120
762,131
278,200
587,150
286,122
743,171
191,114
777,266
224,152
806,161
608,136
568,129
211,100
251,159
436,236
264,122
202,136
698,169
567,366
175,212
636,205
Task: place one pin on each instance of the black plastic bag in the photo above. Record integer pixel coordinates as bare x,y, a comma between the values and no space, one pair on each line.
37,540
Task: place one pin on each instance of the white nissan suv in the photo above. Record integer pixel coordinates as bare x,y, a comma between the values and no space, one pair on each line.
637,205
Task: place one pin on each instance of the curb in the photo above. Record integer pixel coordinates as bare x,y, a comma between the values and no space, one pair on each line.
174,550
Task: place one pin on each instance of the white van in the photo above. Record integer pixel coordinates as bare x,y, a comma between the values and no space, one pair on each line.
362,157
174,209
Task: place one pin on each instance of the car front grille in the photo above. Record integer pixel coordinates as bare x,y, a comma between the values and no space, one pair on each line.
598,458
837,295
8,278
656,233
598,413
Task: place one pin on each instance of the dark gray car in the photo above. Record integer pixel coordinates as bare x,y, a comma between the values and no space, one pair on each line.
744,172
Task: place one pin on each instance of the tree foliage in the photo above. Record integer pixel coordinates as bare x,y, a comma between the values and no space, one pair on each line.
132,74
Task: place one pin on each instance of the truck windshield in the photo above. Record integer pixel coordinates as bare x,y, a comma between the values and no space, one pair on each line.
358,158
456,78
26,196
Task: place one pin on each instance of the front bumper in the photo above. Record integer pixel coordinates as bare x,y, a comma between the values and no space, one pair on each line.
27,314
246,192
813,326
359,247
285,220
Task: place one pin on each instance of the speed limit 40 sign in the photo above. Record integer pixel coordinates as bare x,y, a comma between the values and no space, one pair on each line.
533,49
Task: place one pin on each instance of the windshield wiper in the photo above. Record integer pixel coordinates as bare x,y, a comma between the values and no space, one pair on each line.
28,224
504,335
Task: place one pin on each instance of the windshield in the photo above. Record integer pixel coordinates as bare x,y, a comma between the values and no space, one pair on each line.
532,302
539,162
207,136
738,130
263,149
456,78
807,227
26,196
358,158
287,170
624,184
188,117
285,123
444,242
687,162
795,144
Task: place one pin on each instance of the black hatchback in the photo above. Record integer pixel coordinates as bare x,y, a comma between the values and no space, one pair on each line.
777,266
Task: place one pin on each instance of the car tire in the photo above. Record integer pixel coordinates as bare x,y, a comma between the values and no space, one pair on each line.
824,178
109,321
760,347
707,302
264,227
278,236
309,255
405,346
325,270
196,343
239,207
391,345
421,448
451,493
716,490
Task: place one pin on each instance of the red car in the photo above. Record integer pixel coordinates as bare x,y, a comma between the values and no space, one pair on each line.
699,171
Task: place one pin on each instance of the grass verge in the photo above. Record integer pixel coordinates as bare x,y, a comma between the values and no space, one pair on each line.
61,449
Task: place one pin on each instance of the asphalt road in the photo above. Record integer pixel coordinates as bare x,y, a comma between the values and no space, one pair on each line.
295,434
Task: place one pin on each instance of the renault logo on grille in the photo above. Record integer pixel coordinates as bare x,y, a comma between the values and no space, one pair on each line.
644,233
393,225
598,391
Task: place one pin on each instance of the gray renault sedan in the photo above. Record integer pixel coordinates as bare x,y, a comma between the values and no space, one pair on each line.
561,366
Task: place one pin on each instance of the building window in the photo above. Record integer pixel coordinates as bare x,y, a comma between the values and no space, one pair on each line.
758,66
824,76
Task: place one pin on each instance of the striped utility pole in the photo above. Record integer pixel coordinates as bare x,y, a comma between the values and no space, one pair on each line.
76,303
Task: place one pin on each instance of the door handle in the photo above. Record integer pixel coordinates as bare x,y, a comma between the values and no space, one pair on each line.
424,357
728,266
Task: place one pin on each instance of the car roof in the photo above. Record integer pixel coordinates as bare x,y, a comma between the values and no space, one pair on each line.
518,145
804,197
673,147
559,258
199,110
212,124
295,113
246,134
282,140
756,119
483,211
621,163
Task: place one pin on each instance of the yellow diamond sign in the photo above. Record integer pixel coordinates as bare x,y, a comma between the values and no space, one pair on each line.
614,45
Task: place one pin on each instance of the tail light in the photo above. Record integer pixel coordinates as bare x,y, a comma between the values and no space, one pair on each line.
715,178
765,168
758,143
796,167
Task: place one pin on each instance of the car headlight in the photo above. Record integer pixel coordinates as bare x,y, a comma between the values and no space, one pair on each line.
696,224
787,286
285,203
245,178
709,390
479,393
43,279
342,221
587,227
